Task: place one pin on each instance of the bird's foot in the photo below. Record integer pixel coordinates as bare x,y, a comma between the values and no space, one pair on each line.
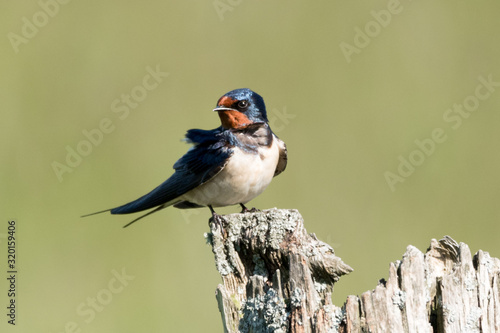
216,219
246,210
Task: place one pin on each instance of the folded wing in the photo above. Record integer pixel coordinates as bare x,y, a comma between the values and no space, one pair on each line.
201,163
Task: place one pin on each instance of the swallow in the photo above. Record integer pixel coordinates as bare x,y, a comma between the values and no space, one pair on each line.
229,165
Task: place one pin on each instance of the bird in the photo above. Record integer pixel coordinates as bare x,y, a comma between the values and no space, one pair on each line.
229,165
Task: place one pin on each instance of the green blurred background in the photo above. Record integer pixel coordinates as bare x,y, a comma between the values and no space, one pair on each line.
346,124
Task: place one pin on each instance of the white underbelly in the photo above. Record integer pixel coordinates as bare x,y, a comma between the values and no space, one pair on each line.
244,177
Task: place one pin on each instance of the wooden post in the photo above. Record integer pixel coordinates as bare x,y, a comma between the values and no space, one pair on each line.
278,278
443,290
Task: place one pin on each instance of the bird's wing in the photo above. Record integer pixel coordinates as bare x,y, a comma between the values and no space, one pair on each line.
282,161
201,163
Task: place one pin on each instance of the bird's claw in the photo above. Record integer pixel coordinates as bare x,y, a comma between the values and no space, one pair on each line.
246,210
216,219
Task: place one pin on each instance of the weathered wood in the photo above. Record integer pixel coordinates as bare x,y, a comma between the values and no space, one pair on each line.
276,277
445,290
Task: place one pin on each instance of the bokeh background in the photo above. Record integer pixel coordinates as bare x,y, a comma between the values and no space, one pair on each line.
349,107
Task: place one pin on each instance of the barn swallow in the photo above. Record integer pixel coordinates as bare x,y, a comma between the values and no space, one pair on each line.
229,165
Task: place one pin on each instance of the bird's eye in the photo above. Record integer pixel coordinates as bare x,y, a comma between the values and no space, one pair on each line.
243,104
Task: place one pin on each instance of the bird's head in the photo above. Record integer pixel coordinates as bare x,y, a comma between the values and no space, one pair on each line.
241,107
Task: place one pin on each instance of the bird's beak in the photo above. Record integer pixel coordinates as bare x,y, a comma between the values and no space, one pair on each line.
221,108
